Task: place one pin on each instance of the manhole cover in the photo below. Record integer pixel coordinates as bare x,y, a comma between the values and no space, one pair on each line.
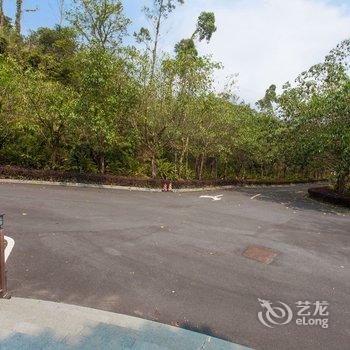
260,254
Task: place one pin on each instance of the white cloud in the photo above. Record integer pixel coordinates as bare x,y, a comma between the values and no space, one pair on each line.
266,41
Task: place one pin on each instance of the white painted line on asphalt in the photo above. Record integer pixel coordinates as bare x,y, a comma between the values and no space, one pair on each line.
256,196
214,198
10,245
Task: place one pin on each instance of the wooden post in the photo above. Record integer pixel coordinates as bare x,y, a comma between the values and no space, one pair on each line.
3,281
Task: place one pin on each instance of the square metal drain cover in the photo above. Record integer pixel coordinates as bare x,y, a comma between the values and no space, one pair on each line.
260,254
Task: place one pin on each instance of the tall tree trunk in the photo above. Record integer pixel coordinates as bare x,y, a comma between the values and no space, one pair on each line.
214,168
2,16
156,39
196,166
200,166
54,157
60,4
102,164
175,163
186,166
18,18
154,167
182,156
100,160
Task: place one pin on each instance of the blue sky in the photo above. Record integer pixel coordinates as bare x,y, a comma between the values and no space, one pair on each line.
47,13
264,41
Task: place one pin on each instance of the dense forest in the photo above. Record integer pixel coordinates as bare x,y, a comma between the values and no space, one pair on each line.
89,96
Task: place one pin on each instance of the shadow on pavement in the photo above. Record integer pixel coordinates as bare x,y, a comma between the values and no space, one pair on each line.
202,329
295,197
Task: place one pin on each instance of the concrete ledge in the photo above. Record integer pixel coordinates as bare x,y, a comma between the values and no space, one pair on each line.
129,188
33,324
81,185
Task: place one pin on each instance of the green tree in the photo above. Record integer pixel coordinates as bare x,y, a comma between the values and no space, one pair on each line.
100,22
204,30
266,103
53,52
206,26
51,109
317,108
36,116
106,97
156,14
9,102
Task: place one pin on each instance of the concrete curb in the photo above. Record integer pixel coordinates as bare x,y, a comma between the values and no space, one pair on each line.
32,324
80,185
138,189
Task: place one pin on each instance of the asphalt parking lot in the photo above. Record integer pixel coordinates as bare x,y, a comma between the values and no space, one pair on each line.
178,259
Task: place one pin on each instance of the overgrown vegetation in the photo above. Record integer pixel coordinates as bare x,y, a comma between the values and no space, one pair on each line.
77,98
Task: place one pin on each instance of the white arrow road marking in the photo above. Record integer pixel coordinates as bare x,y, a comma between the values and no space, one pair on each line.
214,198
10,245
258,195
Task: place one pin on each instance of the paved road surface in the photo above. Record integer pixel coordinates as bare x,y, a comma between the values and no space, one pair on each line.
177,258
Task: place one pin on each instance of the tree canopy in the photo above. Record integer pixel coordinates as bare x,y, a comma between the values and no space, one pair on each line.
79,98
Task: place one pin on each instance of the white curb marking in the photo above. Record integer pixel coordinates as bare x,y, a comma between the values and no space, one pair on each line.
10,245
214,198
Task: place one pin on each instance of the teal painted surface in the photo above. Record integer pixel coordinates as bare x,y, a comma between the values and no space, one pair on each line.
28,324
111,337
